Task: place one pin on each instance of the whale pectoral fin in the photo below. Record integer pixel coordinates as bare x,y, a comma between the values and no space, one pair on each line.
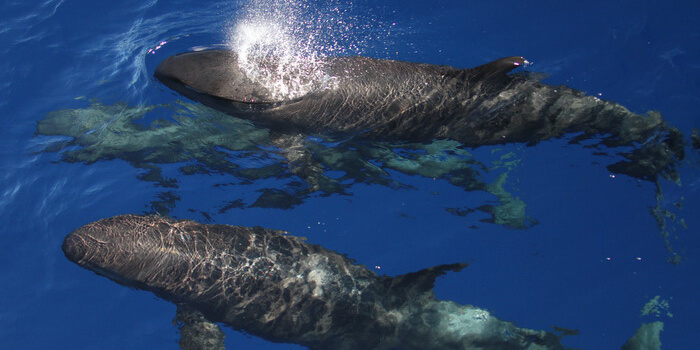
419,282
496,69
197,332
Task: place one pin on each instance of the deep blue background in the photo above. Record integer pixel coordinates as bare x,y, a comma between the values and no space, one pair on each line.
61,53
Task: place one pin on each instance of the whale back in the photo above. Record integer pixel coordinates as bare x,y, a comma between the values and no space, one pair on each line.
353,95
262,281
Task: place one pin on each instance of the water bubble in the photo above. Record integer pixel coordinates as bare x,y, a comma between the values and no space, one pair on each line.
283,44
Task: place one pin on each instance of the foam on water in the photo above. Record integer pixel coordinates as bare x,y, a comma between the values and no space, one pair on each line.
282,44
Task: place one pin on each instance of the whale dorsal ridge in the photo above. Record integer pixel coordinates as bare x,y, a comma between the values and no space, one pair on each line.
497,69
420,282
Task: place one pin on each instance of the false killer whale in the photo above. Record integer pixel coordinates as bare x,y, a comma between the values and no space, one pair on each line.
414,102
278,287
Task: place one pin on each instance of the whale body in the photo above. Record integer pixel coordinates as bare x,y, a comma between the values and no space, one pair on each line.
394,100
276,286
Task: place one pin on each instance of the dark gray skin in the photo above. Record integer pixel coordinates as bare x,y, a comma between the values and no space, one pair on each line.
283,289
394,100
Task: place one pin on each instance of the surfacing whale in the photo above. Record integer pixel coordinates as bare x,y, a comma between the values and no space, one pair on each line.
395,100
278,287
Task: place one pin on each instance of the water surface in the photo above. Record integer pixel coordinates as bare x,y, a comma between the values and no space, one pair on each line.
583,252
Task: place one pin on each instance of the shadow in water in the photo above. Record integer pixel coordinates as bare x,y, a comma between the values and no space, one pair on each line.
200,140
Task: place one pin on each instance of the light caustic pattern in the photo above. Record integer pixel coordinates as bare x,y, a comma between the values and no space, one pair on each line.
281,44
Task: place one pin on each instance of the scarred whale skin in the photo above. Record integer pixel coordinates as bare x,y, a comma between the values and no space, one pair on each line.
276,286
386,99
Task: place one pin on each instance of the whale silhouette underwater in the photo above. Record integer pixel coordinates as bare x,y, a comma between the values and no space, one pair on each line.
402,101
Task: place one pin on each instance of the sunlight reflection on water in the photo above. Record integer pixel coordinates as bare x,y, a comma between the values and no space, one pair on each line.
297,35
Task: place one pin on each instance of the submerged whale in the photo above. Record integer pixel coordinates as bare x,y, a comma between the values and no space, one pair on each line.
395,100
278,287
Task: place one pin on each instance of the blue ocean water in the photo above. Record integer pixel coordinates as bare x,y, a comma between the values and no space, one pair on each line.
590,258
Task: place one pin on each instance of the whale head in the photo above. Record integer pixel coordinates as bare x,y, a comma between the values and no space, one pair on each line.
146,253
212,77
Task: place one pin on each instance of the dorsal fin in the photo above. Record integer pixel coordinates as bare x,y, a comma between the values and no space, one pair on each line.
420,282
496,69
